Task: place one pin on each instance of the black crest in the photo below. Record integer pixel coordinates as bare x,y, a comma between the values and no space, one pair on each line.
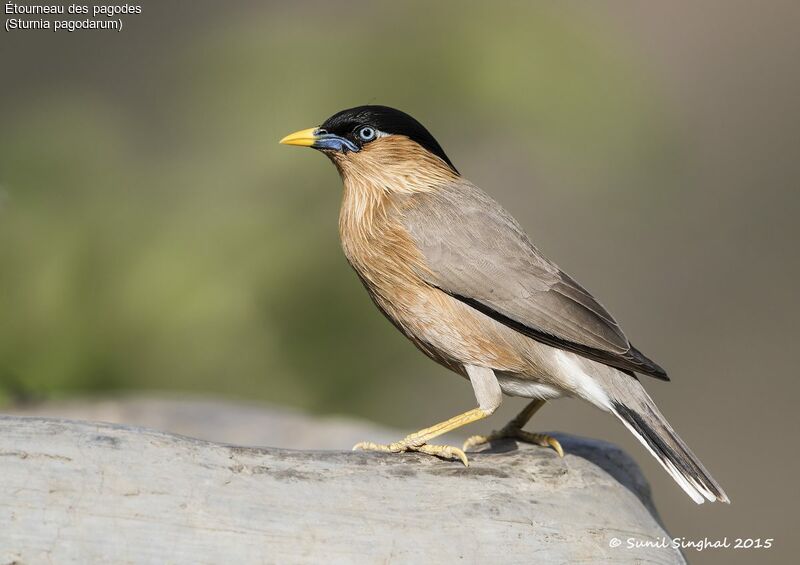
388,120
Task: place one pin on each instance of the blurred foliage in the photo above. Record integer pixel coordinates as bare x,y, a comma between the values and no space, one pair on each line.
163,239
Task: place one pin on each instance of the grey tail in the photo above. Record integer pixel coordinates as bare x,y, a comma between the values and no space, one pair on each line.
655,433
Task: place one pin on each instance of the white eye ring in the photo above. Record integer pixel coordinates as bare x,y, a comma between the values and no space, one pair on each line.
367,133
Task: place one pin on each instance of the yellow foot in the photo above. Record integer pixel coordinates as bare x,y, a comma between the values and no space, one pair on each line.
443,451
543,440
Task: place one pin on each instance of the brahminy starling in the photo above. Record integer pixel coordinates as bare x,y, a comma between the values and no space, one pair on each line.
458,276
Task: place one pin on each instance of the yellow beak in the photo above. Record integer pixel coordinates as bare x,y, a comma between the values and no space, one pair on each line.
303,138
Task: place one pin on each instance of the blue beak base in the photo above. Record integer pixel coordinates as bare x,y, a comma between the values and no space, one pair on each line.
332,142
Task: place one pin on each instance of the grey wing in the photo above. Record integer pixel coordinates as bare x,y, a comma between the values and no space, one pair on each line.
477,253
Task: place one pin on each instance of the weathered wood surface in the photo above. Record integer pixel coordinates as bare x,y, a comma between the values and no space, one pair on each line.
80,492
219,420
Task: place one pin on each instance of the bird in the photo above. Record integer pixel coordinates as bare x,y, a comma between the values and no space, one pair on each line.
456,274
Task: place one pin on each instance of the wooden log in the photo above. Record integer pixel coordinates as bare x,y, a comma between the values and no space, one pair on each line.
81,492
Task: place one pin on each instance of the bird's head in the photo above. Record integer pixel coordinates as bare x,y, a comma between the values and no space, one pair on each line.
379,144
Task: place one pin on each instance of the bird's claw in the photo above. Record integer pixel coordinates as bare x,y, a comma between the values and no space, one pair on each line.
443,451
543,440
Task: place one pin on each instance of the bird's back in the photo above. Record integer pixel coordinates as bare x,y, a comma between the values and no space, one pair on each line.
476,251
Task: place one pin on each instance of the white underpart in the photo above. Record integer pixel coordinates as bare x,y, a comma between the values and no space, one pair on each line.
581,382
526,388
689,485
588,388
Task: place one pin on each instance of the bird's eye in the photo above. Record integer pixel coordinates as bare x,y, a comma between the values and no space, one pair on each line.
366,133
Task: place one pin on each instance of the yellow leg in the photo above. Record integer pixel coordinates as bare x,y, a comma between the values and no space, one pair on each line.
418,441
513,430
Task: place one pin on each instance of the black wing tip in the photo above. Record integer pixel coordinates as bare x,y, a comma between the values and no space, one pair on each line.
632,360
657,372
647,366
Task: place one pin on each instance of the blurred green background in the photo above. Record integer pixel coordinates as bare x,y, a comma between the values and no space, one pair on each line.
154,235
